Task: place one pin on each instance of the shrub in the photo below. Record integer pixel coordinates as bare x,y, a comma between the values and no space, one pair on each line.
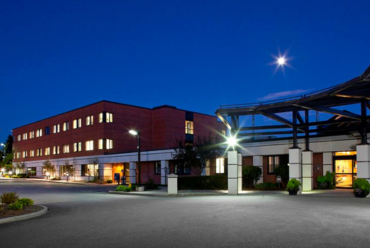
26,201
8,198
327,181
109,181
203,182
361,184
21,175
293,184
15,206
14,176
123,188
265,186
251,174
150,184
283,171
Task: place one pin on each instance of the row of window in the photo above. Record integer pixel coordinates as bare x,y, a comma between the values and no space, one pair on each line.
77,123
77,147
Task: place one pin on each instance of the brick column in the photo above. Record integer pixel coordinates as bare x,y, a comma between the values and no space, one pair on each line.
363,161
327,162
164,166
307,170
234,174
133,172
295,165
258,161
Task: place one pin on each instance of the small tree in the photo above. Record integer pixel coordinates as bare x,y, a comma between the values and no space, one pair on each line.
21,167
251,174
283,171
94,172
48,167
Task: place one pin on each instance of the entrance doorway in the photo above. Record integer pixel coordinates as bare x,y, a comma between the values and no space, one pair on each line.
345,167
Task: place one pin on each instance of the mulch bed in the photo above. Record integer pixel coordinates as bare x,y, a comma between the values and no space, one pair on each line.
5,213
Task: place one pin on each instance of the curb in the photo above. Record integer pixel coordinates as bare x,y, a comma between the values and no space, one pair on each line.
165,195
43,211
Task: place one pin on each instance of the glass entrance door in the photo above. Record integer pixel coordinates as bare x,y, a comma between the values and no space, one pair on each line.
345,171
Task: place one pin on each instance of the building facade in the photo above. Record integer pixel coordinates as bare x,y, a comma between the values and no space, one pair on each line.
95,141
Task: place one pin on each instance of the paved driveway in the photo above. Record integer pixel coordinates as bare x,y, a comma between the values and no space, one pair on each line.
85,216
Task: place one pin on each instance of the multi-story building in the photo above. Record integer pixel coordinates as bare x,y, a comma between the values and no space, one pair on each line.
96,139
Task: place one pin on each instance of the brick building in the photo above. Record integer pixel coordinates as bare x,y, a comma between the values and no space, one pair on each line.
95,140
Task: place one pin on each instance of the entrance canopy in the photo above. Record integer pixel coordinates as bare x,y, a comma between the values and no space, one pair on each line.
342,121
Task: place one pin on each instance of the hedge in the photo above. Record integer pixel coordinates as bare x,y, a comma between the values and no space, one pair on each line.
203,182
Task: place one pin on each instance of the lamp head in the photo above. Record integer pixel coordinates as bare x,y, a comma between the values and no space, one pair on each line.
133,132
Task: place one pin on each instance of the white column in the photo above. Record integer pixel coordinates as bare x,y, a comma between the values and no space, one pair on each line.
295,165
307,170
327,162
258,162
234,172
172,184
164,168
240,172
133,172
363,161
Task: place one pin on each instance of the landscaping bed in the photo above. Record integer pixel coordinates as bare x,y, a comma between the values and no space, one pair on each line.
5,213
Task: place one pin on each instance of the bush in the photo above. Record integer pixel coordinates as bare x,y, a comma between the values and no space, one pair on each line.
361,184
55,178
123,188
283,171
293,184
266,186
15,206
109,181
14,176
21,175
8,198
327,181
251,174
26,201
150,184
203,182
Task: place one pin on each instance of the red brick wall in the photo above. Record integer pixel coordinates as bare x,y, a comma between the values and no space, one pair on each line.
317,167
267,178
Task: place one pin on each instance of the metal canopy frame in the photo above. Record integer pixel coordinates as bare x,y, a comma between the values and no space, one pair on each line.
355,91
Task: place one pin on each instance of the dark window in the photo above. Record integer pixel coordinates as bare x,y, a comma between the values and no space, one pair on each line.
83,170
182,169
189,138
157,168
189,116
275,161
31,171
47,130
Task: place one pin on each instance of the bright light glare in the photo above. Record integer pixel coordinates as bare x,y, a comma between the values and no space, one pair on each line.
281,61
133,132
231,141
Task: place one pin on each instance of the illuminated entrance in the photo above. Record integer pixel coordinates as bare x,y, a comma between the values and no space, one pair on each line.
345,167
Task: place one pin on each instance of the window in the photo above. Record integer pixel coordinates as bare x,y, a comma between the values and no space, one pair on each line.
101,144
89,120
182,169
89,169
47,130
157,168
89,145
105,117
47,151
273,162
66,126
38,132
25,154
56,128
77,147
31,171
188,127
64,169
109,144
32,153
19,137
25,136
77,123
220,165
56,150
32,134
66,149
39,152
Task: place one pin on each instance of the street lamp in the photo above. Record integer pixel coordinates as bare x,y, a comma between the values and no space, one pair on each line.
137,134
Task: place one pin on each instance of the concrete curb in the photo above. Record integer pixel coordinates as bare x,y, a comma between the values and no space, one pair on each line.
43,211
165,195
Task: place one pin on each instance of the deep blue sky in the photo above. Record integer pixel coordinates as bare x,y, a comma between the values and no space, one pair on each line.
196,55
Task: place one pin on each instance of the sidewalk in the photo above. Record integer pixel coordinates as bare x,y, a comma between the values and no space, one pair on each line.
59,181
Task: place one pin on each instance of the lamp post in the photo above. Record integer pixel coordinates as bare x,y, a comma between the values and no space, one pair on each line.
3,145
137,134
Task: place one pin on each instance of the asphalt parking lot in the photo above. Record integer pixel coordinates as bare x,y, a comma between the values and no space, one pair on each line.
86,216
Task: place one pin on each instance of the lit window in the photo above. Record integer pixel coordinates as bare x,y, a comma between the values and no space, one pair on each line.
77,147
56,150
109,117
77,123
101,144
105,117
101,119
220,166
66,126
66,149
109,144
47,151
18,155
32,134
89,120
38,132
25,154
273,163
56,128
39,152
89,145
32,153
188,127
25,136
19,137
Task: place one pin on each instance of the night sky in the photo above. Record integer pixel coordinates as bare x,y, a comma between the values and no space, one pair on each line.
196,55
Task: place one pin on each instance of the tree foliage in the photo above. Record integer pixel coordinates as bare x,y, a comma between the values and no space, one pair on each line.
251,174
48,167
